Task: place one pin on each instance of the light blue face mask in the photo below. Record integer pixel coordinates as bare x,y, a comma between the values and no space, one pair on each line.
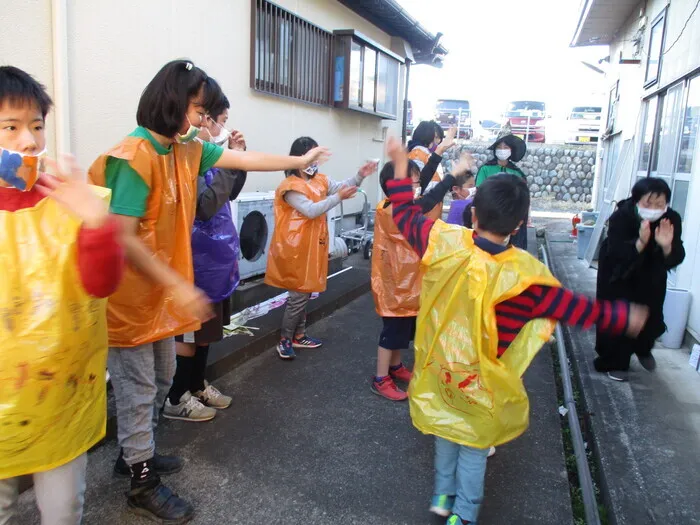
188,136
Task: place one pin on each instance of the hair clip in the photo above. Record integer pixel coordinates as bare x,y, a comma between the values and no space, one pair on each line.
189,66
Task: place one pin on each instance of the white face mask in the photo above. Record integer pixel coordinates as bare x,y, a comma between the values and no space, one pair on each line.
650,214
503,154
472,192
222,138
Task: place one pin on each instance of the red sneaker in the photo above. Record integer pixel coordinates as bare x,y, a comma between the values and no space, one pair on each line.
388,389
402,374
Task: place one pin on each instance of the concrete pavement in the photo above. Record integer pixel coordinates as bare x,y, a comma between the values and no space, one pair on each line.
307,443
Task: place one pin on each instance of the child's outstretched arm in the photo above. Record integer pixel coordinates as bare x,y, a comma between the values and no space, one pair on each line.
568,307
356,180
255,161
408,215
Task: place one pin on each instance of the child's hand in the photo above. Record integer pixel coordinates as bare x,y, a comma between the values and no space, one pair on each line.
664,234
447,142
639,314
399,156
317,155
236,141
465,164
368,168
347,192
68,189
192,300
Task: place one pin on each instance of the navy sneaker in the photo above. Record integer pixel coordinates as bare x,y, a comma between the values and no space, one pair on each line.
285,349
306,342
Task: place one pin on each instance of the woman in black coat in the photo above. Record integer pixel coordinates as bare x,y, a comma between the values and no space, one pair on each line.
643,244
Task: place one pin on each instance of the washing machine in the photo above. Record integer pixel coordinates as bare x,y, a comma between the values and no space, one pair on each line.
253,215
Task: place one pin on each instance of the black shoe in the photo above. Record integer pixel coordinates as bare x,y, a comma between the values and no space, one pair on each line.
158,503
163,465
619,375
648,362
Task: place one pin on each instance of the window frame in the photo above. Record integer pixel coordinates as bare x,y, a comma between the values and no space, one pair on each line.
310,77
660,19
344,38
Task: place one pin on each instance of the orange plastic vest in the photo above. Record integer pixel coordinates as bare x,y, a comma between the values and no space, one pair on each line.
420,156
142,311
298,259
396,278
460,390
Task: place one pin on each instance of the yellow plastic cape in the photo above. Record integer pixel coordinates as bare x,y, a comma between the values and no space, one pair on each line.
460,390
53,348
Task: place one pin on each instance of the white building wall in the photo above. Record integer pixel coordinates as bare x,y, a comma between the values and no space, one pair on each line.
683,58
115,48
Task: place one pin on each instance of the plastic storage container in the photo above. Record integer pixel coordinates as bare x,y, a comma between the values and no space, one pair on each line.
676,310
584,238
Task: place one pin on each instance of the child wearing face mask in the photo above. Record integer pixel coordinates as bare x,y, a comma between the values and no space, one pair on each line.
153,175
298,258
215,251
507,150
61,258
462,198
486,309
396,278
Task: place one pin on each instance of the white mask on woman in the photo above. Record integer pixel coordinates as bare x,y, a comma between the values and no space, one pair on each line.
503,154
650,214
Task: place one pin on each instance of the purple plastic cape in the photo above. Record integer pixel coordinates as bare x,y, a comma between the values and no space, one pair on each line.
215,251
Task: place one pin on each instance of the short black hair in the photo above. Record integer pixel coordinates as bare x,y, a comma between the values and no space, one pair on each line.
215,102
653,185
300,147
502,203
467,216
19,88
439,131
424,134
163,104
387,174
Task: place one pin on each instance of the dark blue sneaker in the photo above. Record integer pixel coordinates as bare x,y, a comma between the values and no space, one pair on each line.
306,342
285,349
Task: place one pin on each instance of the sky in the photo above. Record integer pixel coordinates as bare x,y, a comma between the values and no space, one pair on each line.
505,50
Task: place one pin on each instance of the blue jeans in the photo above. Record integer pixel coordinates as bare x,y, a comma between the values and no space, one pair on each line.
460,471
141,378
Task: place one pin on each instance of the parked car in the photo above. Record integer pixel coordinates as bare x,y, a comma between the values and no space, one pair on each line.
527,119
450,112
584,124
489,129
409,120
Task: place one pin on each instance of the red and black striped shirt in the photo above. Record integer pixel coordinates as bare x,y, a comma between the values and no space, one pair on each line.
537,301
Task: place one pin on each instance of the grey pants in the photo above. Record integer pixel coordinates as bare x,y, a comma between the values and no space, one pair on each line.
141,378
294,320
60,494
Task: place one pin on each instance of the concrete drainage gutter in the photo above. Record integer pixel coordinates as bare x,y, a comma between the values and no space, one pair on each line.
585,478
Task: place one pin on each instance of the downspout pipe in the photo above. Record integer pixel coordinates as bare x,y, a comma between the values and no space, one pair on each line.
61,88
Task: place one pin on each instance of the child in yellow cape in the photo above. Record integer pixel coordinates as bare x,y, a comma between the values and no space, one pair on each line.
61,257
486,309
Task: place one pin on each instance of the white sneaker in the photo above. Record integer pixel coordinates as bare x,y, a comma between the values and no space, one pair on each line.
189,409
211,397
492,451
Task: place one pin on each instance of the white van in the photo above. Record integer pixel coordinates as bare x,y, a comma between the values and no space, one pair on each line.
583,124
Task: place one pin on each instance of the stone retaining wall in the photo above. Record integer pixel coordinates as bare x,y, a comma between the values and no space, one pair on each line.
563,173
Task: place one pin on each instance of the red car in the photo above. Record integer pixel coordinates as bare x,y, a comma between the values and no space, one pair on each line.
527,119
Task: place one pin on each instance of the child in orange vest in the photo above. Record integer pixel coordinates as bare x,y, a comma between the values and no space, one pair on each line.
396,281
298,259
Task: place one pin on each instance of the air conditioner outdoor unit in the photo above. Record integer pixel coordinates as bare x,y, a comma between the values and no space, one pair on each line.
253,215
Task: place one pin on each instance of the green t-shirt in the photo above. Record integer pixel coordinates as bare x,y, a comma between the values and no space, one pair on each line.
492,169
129,191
